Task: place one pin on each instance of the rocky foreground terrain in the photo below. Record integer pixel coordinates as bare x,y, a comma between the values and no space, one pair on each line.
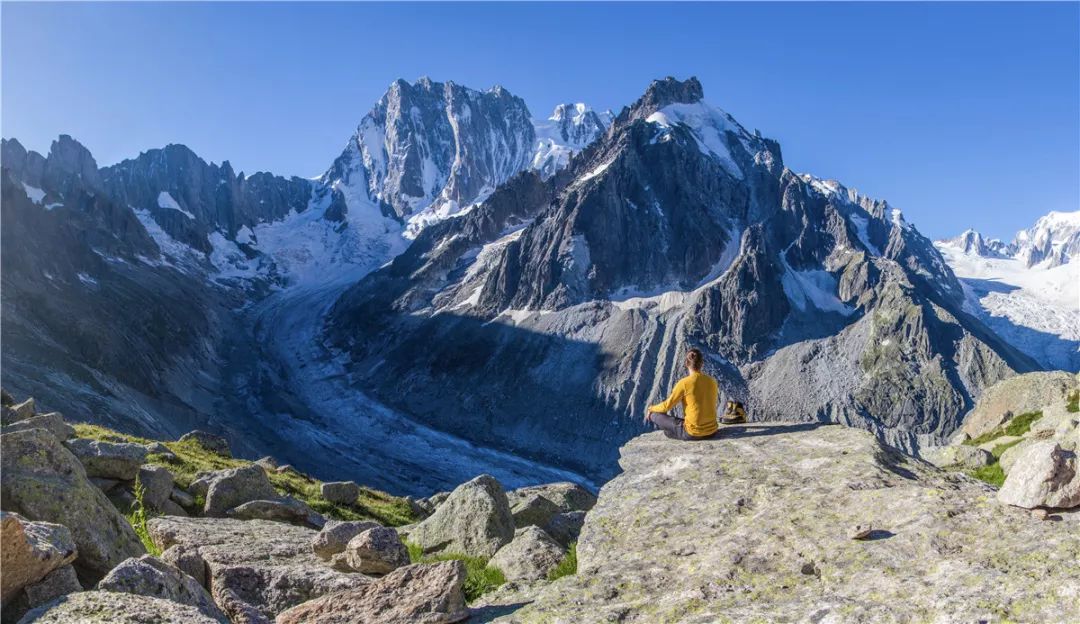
809,523
776,522
105,527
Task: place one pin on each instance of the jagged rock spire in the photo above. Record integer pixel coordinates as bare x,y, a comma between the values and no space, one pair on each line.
665,92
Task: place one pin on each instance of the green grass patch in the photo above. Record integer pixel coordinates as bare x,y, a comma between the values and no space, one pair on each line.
480,578
1021,424
1072,404
192,458
1018,426
567,566
416,552
137,517
992,474
1000,449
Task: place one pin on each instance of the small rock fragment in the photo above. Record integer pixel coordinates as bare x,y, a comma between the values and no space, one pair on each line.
182,498
60,582
209,441
860,531
30,550
335,536
378,550
231,488
424,592
341,492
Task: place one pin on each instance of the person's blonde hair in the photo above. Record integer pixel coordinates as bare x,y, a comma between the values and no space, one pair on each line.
694,359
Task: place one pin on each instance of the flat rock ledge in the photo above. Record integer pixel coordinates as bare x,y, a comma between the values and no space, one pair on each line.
754,526
102,607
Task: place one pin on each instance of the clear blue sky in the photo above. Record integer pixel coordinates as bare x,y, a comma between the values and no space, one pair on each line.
960,114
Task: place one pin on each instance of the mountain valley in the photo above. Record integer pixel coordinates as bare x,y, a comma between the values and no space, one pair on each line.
467,290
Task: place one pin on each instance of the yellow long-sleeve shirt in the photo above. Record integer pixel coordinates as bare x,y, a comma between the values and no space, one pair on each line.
699,395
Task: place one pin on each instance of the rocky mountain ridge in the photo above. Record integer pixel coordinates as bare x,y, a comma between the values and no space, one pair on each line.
674,227
677,228
428,150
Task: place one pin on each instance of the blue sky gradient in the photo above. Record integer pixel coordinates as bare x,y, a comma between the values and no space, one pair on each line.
961,114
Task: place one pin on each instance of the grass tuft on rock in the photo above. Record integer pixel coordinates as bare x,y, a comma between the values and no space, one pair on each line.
416,552
192,458
137,517
1072,404
993,473
1018,426
567,566
480,578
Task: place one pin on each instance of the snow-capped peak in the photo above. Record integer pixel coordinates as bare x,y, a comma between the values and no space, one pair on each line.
1028,291
710,127
972,242
569,129
429,150
1054,240
574,111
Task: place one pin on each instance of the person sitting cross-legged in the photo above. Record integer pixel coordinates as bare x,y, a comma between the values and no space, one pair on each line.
698,394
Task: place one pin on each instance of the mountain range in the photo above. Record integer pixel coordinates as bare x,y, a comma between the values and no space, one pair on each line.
1027,290
467,289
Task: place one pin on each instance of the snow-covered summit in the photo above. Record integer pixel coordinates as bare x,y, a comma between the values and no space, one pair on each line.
1028,290
429,150
569,129
710,127
1052,241
971,242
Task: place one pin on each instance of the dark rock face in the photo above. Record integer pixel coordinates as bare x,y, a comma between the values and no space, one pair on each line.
88,303
572,254
202,198
573,298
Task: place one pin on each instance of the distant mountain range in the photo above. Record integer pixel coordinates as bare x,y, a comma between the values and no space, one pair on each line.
467,289
1053,241
1027,290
